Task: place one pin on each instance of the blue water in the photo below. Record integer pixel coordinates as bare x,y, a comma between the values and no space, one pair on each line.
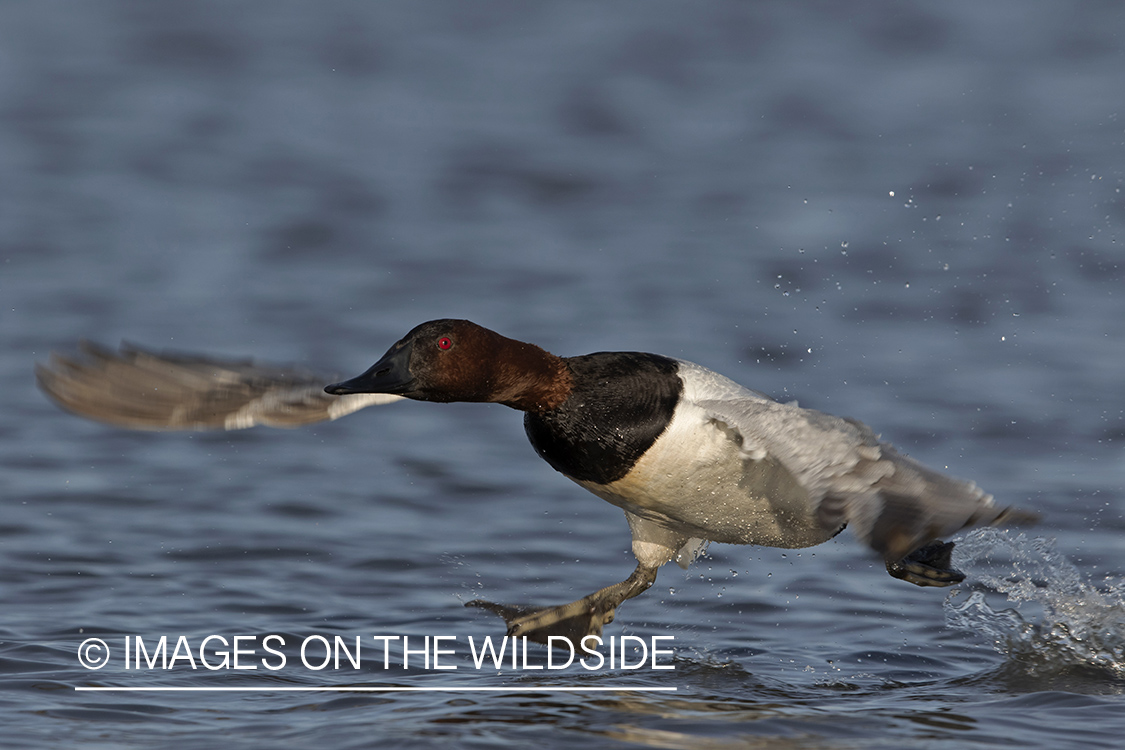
909,213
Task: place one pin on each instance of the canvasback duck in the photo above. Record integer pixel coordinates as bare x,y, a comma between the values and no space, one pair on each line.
690,456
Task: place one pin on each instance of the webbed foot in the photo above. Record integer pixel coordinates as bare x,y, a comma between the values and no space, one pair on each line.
575,620
931,565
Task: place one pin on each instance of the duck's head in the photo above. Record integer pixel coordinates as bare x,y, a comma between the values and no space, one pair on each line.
458,360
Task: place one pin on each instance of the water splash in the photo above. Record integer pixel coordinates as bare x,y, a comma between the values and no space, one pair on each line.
1058,620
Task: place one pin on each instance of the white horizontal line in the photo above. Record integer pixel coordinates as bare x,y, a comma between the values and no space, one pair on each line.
521,689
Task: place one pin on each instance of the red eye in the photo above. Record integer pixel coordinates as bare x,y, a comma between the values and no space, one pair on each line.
444,342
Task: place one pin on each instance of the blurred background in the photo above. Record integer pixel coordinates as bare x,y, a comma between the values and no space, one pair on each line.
909,213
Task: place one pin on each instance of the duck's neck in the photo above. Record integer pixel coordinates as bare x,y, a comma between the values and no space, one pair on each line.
529,378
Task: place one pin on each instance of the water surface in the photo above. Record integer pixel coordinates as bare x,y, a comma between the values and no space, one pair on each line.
911,215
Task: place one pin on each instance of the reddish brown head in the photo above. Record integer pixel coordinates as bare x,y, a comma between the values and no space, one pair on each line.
456,360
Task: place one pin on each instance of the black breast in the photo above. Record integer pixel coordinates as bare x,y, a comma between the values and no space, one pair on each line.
620,404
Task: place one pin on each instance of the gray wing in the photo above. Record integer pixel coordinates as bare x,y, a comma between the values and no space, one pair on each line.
145,390
890,501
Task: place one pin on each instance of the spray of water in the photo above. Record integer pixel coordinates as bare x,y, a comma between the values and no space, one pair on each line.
1033,603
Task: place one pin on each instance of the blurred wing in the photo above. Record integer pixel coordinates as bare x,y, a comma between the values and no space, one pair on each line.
890,501
145,390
